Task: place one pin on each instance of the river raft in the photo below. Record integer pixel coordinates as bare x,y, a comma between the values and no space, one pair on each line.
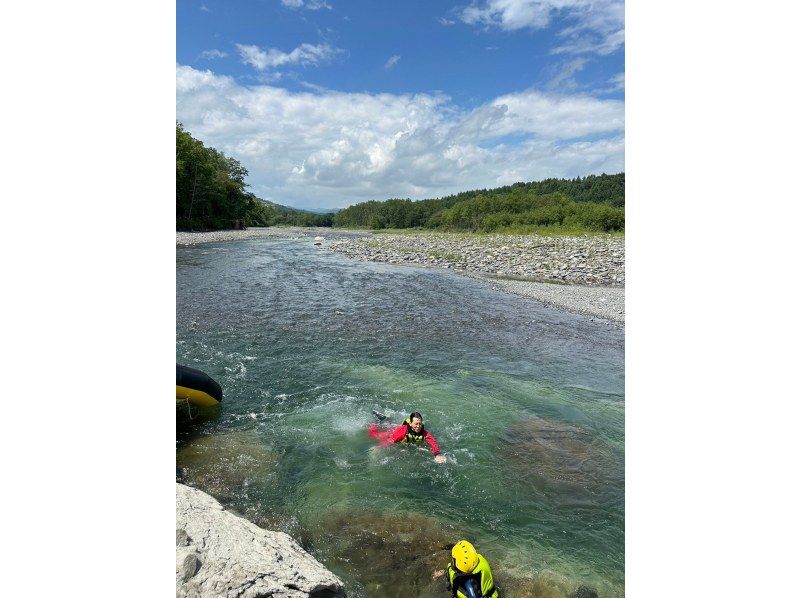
196,388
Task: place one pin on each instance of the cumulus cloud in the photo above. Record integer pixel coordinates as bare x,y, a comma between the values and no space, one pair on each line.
212,54
331,149
393,60
305,54
594,26
306,4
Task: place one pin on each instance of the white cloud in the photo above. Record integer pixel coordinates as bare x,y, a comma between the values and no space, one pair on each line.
307,4
204,8
393,60
331,149
512,14
596,26
305,54
564,77
211,54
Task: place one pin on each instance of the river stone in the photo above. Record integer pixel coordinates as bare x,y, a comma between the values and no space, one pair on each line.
390,554
182,538
232,557
554,452
188,566
222,464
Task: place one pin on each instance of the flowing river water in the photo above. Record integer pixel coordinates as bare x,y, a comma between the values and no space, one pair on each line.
526,402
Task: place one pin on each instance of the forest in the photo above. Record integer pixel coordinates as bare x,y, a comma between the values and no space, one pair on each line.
591,203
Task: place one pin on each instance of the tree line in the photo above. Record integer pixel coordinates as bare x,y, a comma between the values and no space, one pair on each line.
592,203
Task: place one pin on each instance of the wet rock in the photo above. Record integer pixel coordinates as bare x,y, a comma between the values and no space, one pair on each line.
390,554
554,452
223,464
543,584
230,556
584,592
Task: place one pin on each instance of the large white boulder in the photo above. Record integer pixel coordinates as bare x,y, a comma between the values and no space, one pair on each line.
221,554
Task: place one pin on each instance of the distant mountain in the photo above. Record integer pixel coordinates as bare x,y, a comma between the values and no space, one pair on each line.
278,207
287,209
323,210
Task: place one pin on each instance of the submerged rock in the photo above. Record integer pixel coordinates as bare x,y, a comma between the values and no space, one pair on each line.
544,584
221,554
389,554
223,464
554,453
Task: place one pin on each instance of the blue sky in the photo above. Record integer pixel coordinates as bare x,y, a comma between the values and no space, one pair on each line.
328,103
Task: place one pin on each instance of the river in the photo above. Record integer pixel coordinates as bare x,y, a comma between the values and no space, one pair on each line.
526,402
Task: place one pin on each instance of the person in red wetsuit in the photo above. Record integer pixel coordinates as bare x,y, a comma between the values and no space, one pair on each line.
411,430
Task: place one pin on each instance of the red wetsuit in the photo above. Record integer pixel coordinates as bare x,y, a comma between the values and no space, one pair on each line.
388,437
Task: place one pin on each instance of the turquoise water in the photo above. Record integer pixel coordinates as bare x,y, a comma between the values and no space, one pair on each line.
526,402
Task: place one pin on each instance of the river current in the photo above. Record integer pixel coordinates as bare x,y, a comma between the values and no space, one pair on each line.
525,401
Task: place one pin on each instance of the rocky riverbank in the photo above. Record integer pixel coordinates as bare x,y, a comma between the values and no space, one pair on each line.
221,554
580,274
588,260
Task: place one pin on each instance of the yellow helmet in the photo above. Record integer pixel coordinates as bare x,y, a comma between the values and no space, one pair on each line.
465,557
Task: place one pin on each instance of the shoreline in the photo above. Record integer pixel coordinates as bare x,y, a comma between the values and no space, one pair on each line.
583,275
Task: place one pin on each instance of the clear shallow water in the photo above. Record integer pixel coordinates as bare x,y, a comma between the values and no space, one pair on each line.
527,402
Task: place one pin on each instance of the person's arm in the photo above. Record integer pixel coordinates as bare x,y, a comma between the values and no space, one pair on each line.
432,441
434,448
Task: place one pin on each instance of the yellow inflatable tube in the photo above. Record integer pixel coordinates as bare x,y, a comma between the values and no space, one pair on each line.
196,387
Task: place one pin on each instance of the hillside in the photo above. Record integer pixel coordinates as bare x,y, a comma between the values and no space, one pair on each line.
592,203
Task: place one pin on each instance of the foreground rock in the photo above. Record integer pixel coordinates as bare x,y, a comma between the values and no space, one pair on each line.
225,464
544,584
221,554
391,554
